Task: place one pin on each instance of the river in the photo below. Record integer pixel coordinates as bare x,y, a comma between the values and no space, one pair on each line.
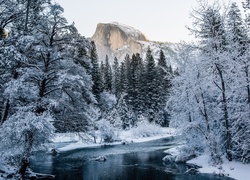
135,161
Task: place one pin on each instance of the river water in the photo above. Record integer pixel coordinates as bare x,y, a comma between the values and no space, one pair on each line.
138,161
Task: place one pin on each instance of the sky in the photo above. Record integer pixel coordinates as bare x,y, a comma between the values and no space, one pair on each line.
158,20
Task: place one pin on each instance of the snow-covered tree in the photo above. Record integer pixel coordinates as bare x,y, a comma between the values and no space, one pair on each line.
116,88
240,91
209,98
126,114
152,96
42,81
95,73
25,132
107,75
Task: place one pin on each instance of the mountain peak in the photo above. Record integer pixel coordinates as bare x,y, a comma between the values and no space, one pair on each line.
128,30
131,31
116,40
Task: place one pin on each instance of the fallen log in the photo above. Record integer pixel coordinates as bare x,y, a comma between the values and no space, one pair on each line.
45,176
33,175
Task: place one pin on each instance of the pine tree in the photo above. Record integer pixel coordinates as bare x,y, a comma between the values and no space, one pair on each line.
126,114
162,60
81,56
235,27
116,78
151,75
124,73
163,85
238,48
127,62
96,78
123,78
107,75
141,86
133,89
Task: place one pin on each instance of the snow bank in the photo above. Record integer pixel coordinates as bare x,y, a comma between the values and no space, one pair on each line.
125,136
137,138
8,172
146,129
236,170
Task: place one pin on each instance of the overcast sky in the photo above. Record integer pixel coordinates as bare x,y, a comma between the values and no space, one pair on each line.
159,20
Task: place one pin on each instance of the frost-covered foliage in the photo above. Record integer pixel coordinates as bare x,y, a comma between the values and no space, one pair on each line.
107,131
24,129
146,129
209,100
126,114
107,101
43,77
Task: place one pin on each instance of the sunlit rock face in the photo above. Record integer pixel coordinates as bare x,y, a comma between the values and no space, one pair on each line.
116,40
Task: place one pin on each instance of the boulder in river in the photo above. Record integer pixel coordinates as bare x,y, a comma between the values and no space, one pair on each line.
192,171
101,158
54,152
169,158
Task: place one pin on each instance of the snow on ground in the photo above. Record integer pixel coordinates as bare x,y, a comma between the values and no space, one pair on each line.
8,172
131,136
236,170
76,141
174,151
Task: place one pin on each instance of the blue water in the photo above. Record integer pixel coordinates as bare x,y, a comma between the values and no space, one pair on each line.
141,161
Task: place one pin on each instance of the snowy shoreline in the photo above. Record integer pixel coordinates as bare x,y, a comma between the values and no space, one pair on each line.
236,170
74,141
64,142
233,169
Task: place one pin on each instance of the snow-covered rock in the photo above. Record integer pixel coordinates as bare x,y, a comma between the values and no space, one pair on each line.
101,158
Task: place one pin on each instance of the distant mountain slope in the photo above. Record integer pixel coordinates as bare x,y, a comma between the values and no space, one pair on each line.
117,40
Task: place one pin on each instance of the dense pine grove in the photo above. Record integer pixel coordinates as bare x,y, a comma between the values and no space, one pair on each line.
51,80
140,85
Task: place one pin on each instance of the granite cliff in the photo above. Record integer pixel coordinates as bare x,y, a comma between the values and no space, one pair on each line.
117,40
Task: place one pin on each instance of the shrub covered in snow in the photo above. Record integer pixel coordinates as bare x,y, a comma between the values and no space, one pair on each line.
25,132
107,131
146,129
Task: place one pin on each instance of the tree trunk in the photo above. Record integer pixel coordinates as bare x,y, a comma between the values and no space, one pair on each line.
205,111
27,16
189,113
24,165
27,152
225,109
5,111
42,87
248,87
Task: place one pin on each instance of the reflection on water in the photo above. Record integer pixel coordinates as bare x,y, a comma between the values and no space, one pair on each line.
126,162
